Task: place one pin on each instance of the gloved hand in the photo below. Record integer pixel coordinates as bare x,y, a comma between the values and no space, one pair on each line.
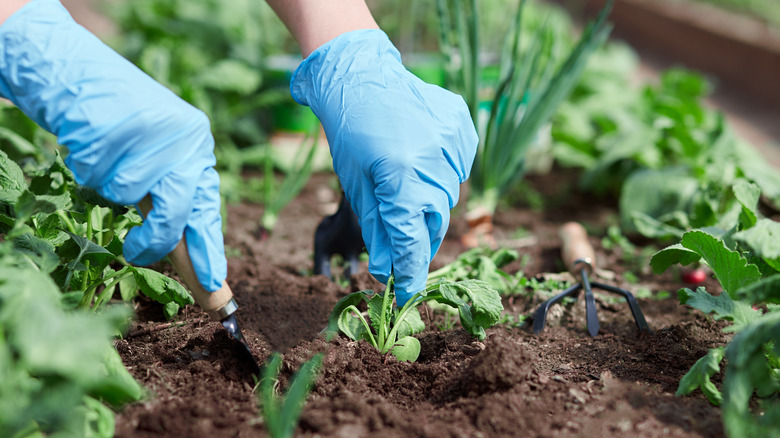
400,147
126,134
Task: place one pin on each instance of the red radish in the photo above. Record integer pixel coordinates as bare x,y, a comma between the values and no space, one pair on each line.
694,276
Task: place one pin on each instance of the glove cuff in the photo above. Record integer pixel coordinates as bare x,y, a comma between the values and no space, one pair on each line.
325,66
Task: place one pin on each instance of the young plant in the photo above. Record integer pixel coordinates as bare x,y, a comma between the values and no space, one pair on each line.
533,80
72,234
482,264
281,413
746,262
57,367
672,160
390,329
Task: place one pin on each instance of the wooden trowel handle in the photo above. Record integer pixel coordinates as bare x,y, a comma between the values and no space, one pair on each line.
219,304
577,252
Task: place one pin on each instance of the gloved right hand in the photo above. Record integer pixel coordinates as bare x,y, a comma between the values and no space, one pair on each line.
127,135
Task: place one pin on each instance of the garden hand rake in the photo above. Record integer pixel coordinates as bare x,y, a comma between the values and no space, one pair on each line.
579,257
219,305
338,234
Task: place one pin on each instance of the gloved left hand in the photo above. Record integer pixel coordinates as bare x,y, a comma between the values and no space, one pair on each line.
127,135
400,147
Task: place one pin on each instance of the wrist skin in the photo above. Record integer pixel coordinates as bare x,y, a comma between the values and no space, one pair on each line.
8,7
315,22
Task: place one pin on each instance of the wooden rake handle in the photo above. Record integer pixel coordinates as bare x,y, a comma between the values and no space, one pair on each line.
219,304
577,252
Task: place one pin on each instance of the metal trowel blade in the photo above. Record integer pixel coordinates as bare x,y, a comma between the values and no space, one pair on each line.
231,325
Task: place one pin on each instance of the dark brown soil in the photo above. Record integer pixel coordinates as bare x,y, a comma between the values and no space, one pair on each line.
560,383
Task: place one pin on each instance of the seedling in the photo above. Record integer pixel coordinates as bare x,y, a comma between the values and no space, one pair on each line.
390,329
746,262
482,264
281,413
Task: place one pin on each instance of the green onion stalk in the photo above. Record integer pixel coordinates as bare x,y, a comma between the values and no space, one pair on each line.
535,76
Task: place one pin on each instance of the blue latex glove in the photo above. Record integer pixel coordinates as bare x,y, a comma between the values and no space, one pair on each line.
127,135
401,148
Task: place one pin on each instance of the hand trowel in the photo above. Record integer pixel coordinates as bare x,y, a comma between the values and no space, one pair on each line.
220,304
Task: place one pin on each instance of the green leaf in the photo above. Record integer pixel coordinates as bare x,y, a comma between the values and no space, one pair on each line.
755,166
484,311
39,251
162,289
747,371
12,183
281,412
28,205
92,197
671,255
379,312
91,420
128,288
747,194
657,193
50,230
766,290
270,402
406,349
764,239
486,306
55,357
170,309
22,146
298,391
353,300
351,324
699,376
411,324
119,387
653,228
731,269
723,306
87,246
230,75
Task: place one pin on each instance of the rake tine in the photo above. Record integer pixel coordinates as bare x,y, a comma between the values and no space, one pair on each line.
590,306
541,313
639,317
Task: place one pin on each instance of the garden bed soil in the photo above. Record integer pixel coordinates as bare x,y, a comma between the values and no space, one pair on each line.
560,383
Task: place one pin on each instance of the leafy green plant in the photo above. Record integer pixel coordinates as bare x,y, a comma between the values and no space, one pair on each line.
69,232
57,367
746,261
672,160
390,329
534,78
281,413
482,264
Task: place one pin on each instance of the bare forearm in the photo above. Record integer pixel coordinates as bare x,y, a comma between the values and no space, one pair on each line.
8,7
315,22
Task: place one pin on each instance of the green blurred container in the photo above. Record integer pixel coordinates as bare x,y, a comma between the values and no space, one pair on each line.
288,116
427,66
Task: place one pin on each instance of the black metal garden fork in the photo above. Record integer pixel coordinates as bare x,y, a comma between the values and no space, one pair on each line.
579,257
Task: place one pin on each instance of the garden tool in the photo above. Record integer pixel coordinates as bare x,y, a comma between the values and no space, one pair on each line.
219,305
338,234
579,257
